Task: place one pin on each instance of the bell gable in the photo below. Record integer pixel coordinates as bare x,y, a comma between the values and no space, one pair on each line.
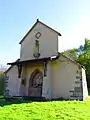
40,42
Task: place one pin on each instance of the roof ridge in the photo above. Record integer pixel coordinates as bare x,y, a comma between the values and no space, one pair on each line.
34,26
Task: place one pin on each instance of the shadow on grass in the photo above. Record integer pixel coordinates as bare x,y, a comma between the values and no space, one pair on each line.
11,101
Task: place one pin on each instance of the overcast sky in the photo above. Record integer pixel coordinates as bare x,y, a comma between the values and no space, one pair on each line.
70,17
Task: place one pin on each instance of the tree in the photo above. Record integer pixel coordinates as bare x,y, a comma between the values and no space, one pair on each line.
72,53
84,59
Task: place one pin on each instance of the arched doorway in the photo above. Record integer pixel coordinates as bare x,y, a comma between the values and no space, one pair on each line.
35,84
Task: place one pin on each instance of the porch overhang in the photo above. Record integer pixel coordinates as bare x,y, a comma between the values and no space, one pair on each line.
33,60
19,63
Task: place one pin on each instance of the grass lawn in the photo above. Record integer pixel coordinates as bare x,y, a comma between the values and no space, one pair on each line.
50,110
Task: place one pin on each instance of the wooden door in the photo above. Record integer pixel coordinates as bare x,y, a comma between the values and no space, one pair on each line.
35,84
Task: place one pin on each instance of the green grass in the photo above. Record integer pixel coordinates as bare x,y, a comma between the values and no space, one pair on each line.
49,110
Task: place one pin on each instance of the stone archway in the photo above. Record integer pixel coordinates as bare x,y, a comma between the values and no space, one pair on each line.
35,84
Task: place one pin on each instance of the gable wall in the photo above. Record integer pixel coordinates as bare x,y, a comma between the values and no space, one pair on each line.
64,74
48,43
13,81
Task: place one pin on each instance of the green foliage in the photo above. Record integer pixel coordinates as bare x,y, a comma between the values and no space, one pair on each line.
87,45
72,53
81,55
55,110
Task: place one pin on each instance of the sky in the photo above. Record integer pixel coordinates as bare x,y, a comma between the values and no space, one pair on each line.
70,17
